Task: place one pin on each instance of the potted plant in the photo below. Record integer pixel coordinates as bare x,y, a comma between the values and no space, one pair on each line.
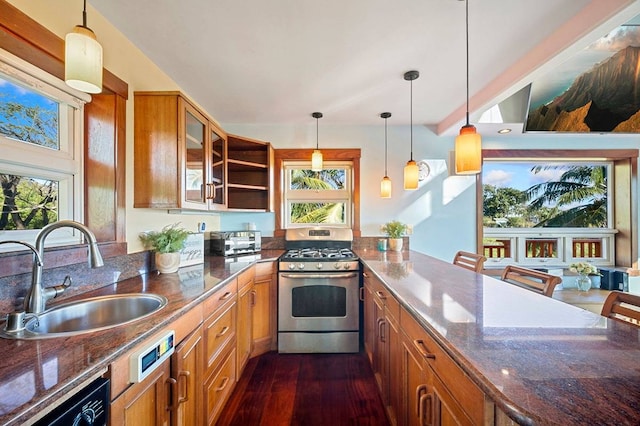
167,243
395,230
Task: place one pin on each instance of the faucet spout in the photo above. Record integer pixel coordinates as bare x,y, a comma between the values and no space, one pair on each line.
37,296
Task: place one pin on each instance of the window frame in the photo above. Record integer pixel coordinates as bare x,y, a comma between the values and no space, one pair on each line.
65,164
623,177
330,195
331,154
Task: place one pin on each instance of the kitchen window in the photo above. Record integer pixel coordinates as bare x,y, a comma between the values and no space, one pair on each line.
555,207
318,197
41,163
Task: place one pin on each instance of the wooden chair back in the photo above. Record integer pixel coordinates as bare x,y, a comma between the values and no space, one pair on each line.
471,261
623,307
533,280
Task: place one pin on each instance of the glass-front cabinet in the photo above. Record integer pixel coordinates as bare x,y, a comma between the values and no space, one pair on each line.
180,156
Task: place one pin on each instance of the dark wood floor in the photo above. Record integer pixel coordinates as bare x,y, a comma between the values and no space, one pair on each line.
305,389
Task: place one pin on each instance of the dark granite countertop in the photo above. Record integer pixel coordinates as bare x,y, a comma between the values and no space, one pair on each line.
540,360
36,374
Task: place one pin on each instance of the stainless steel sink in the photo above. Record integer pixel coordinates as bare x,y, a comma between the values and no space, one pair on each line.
88,315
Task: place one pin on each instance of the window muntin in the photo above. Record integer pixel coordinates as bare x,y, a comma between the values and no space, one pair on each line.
40,139
314,198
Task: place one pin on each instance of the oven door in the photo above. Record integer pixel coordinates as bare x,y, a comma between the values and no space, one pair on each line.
323,301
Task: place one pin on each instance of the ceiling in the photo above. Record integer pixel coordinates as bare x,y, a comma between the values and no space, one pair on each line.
277,61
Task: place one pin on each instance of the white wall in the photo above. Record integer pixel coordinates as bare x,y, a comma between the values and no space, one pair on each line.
442,210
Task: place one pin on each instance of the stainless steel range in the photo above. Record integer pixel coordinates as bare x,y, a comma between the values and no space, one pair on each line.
318,292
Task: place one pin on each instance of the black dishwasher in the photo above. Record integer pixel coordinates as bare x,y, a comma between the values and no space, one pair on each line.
90,406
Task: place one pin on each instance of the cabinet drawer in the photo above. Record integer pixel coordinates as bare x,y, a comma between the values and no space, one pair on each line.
456,381
220,297
219,386
219,331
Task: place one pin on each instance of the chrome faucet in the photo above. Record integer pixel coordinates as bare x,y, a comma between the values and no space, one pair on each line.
37,296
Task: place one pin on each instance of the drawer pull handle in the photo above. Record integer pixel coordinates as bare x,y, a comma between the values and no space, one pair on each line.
223,331
226,295
381,295
362,294
365,275
419,344
223,385
381,323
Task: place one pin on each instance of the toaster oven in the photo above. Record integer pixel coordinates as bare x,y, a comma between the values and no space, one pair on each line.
235,243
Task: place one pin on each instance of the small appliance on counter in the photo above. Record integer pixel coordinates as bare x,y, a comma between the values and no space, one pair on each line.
235,243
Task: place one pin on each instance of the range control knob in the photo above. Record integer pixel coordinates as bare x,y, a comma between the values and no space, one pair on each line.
319,265
337,265
347,265
292,266
300,265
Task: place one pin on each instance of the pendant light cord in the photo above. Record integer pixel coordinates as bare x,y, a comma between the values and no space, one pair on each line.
84,14
317,118
467,41
385,147
411,119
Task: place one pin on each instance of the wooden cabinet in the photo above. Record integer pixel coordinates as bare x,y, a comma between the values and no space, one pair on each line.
246,297
264,309
145,403
187,364
179,154
383,341
250,174
445,395
218,386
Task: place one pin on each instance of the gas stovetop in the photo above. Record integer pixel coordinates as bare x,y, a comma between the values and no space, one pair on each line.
317,254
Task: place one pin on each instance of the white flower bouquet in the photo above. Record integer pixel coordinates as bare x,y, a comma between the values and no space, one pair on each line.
583,268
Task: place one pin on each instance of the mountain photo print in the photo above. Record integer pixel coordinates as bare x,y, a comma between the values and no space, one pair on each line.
597,90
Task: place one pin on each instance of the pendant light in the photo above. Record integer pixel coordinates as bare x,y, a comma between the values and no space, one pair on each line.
83,58
468,145
385,185
411,170
316,157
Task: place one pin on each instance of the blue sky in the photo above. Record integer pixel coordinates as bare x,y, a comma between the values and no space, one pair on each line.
13,92
515,175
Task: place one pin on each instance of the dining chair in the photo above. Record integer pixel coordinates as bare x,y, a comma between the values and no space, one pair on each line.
533,280
471,261
622,307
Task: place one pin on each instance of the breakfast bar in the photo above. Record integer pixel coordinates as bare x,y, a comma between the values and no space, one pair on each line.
539,360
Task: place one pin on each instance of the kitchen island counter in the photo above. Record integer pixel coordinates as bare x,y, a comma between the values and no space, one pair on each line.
36,375
541,361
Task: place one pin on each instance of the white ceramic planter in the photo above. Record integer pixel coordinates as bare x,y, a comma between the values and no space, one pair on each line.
167,263
395,244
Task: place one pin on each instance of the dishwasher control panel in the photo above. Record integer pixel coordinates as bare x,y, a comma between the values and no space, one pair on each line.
144,361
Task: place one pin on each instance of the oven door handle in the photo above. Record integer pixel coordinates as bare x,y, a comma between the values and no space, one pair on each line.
307,276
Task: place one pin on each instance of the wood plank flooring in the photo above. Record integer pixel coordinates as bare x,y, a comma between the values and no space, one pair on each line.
305,389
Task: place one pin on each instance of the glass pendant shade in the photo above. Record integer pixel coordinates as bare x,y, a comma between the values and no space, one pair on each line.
316,160
83,60
411,174
385,187
468,151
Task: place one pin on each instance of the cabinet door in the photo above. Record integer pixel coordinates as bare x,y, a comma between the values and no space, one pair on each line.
245,323
145,403
187,364
216,180
262,317
394,371
194,168
369,320
417,401
380,346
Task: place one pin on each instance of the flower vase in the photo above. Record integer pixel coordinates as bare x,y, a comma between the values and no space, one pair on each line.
583,282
